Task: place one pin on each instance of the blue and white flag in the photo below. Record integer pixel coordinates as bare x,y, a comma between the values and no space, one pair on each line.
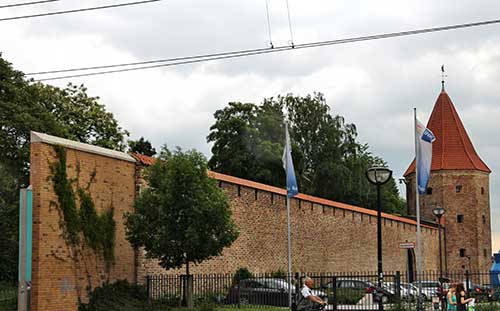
291,183
424,138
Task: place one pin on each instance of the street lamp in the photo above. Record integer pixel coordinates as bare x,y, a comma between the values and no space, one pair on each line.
379,176
439,212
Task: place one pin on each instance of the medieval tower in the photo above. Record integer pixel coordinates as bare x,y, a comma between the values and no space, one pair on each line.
459,183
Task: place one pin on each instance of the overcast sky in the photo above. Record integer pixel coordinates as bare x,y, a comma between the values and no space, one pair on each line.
372,84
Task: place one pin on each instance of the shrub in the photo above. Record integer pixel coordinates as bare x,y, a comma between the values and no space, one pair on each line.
492,306
347,296
279,274
116,296
241,274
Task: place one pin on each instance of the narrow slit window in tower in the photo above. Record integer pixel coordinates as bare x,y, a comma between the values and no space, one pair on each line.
485,253
458,188
429,190
482,190
462,252
484,219
460,219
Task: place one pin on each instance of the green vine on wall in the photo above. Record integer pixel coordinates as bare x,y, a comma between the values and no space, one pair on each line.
98,230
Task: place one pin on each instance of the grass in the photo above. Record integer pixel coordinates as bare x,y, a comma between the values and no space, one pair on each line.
8,298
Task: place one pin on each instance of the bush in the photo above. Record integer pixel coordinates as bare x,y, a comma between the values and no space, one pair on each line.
241,274
279,274
118,296
347,296
493,306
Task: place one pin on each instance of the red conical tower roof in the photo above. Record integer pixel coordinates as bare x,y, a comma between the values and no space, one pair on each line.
452,149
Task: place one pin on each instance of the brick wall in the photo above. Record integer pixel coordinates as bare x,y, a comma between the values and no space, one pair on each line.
61,273
473,203
324,239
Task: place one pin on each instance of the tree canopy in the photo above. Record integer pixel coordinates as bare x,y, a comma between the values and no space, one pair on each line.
248,141
141,146
182,216
28,106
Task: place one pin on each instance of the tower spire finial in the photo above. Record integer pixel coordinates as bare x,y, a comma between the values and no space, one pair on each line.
443,75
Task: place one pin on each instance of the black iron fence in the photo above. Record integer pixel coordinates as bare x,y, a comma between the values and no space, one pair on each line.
341,291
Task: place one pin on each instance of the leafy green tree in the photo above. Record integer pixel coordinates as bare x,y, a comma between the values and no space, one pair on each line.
27,106
248,142
70,113
141,146
183,216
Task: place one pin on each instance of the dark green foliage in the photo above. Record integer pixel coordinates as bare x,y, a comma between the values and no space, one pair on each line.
488,306
241,274
141,146
248,142
347,296
279,274
119,296
183,216
98,230
27,106
8,296
9,218
66,197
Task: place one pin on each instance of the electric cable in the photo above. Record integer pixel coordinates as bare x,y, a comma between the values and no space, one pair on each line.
26,3
78,10
227,55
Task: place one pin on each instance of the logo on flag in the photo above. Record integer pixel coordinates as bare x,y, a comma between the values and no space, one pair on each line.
424,138
291,182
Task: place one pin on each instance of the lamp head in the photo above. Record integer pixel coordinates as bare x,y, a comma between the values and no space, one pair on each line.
438,211
378,175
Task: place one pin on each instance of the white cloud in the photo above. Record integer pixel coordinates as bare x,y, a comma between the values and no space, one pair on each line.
373,84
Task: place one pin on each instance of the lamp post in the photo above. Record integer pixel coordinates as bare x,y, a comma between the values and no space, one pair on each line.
439,212
379,176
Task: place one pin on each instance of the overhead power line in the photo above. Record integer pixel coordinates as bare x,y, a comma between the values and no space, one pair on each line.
26,3
78,10
242,53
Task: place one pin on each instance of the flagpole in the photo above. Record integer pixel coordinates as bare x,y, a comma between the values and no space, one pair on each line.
289,253
288,224
417,208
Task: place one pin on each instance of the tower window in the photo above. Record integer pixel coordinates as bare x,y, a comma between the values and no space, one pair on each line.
462,252
429,190
484,219
485,252
482,190
460,218
458,188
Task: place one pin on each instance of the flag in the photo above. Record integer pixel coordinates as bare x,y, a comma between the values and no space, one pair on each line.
291,181
424,138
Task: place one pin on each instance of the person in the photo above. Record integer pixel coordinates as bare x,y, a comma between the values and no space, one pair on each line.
461,300
306,298
451,298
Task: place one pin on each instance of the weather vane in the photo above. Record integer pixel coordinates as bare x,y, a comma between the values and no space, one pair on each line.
443,75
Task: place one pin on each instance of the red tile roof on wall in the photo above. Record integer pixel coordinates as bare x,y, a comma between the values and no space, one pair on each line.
452,149
145,160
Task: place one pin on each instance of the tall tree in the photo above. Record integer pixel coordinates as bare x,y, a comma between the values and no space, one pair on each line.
329,160
183,216
27,106
141,146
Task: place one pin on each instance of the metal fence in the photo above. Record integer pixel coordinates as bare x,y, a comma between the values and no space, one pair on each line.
342,291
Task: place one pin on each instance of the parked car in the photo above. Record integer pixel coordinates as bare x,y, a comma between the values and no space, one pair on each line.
264,291
361,285
405,293
429,289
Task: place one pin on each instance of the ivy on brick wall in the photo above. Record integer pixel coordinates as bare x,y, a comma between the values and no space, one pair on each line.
98,231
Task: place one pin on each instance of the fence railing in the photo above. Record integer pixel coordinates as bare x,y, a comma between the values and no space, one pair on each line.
342,291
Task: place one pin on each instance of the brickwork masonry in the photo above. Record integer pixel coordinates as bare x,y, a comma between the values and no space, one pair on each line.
324,237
